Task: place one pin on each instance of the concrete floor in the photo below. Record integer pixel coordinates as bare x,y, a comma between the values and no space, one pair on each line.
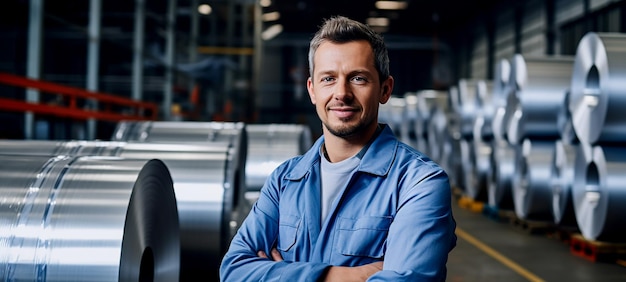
492,250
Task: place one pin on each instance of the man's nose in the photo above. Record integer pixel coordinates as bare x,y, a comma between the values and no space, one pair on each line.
343,90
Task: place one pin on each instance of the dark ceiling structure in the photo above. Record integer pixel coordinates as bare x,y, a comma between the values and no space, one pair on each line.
420,18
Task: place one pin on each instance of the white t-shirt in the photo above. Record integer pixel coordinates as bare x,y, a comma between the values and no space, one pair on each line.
335,177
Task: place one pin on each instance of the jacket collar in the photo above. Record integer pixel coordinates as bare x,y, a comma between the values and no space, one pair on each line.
377,159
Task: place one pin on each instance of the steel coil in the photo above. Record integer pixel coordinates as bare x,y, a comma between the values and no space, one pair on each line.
598,92
500,194
212,203
203,176
598,192
563,160
268,146
532,181
540,85
87,219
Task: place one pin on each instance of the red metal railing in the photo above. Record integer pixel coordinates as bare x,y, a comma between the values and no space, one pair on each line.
71,102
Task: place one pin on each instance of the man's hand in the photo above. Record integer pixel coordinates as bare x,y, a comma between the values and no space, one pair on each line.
355,273
275,255
338,273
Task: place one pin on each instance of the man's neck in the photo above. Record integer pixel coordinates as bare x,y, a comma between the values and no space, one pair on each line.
337,149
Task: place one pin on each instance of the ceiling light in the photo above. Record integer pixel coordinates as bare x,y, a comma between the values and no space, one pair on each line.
377,21
265,3
268,17
391,5
204,9
271,32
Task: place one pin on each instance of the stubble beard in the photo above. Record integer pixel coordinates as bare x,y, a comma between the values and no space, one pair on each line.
346,130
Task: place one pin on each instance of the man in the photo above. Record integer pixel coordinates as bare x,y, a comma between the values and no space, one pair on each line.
359,204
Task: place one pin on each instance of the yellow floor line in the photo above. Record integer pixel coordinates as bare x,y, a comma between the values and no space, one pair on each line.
496,255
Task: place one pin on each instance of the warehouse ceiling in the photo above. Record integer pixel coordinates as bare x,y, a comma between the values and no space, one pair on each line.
420,18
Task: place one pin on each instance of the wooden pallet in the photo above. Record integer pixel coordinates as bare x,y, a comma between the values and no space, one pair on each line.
531,226
597,250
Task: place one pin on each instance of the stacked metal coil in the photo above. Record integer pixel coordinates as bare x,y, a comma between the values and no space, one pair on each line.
539,85
269,145
482,136
532,181
87,219
535,103
502,158
598,192
596,105
562,170
208,162
597,89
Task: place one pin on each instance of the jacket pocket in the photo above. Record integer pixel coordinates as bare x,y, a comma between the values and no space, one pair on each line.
364,236
287,232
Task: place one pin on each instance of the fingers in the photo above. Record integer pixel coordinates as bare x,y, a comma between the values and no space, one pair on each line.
275,255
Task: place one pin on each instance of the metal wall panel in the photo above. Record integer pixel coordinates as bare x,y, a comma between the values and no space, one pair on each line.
505,35
534,24
566,10
479,56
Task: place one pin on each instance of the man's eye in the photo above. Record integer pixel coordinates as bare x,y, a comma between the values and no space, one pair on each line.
327,79
359,79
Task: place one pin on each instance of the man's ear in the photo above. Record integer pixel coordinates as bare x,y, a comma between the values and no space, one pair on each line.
309,87
386,90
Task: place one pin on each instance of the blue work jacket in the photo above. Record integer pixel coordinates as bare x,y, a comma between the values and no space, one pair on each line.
395,208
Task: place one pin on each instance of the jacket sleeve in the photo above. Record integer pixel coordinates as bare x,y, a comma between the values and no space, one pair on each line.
259,231
422,233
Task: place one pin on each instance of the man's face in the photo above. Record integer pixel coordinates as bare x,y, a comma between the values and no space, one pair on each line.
345,87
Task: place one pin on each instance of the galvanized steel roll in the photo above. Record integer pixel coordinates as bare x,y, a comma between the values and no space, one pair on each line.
212,201
87,219
598,192
205,184
597,88
563,160
540,85
269,145
503,166
532,181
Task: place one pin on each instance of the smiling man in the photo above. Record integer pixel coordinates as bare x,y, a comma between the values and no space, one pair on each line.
359,205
